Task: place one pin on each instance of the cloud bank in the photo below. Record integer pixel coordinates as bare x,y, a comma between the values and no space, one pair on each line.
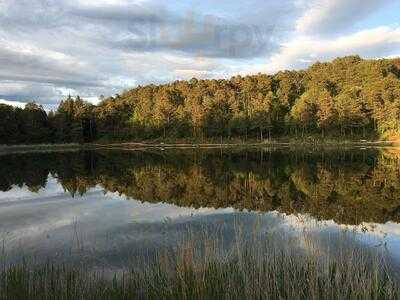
50,48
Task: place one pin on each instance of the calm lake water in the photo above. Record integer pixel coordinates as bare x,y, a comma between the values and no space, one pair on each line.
101,207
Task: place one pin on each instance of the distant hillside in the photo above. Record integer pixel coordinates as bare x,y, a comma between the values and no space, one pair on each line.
347,97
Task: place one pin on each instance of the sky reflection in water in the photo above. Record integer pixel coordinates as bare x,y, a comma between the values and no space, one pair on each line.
86,211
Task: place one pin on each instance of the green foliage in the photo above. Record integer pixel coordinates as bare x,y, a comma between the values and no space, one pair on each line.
349,95
346,96
74,121
30,124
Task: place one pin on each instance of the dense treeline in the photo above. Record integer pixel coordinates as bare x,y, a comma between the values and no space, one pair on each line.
348,186
74,121
345,97
30,124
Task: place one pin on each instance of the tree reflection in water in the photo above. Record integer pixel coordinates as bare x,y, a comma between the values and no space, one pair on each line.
350,186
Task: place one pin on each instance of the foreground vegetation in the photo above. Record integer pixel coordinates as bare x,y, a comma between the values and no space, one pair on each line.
258,266
347,98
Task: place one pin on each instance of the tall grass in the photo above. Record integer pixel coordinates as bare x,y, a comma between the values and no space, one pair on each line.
262,266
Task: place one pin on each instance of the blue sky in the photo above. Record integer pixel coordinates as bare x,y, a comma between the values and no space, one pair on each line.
52,48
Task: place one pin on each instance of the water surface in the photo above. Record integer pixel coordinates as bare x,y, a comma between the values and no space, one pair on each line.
101,207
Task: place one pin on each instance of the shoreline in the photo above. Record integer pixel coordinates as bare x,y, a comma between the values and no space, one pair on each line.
246,144
4,149
10,149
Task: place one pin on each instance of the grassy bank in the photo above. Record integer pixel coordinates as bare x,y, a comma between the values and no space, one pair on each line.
264,267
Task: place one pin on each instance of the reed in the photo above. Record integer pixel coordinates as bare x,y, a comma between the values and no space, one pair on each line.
269,266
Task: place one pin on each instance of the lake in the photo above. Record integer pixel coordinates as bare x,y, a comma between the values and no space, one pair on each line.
102,209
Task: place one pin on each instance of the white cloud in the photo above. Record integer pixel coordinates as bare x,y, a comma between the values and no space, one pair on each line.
81,46
51,48
13,103
334,16
373,43
93,100
173,67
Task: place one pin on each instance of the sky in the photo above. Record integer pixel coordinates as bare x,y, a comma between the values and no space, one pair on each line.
52,223
50,49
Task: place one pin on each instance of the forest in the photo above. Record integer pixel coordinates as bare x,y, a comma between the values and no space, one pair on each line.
347,97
